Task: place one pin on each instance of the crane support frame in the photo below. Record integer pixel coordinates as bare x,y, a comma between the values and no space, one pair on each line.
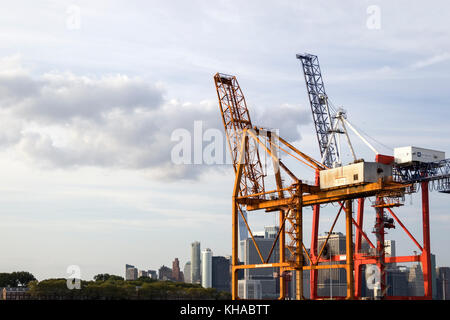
289,199
300,195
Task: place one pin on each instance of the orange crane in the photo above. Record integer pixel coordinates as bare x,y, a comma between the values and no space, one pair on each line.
290,196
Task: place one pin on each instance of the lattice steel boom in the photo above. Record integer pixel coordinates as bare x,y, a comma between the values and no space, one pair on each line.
236,118
319,106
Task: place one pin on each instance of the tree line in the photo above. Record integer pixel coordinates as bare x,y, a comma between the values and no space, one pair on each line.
119,289
16,279
110,287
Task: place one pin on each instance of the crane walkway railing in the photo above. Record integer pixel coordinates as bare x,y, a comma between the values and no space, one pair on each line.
420,172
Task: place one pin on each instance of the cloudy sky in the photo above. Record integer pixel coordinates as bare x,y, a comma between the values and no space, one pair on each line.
91,94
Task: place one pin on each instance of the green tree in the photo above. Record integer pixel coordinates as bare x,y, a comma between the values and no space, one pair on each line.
15,279
6,280
22,278
107,276
146,279
119,289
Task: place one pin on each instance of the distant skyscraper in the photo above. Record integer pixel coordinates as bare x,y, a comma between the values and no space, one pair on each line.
415,280
165,273
366,248
187,272
131,273
389,251
221,276
152,274
250,256
389,248
195,262
270,232
443,283
177,275
332,281
206,268
250,289
396,281
143,274
433,276
243,231
265,276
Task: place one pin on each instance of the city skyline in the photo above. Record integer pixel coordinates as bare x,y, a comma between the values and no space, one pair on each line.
269,232
90,94
216,273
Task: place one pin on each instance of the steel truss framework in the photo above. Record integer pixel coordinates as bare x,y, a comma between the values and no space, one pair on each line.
236,118
384,209
319,106
289,200
436,174
290,207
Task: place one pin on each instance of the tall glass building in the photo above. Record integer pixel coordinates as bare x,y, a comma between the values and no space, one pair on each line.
207,268
195,262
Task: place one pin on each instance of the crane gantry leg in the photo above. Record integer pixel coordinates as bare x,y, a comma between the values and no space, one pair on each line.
299,244
349,249
358,246
379,232
313,275
425,256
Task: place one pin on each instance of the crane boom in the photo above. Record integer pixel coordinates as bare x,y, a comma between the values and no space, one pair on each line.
319,106
236,118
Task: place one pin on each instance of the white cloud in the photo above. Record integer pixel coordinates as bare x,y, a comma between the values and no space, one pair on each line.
431,60
66,120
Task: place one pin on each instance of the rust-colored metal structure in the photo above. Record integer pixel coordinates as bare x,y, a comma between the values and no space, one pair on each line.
236,119
289,198
415,174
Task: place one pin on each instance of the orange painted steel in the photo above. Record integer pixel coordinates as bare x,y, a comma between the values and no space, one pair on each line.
405,229
294,204
349,250
288,199
236,119
425,258
328,235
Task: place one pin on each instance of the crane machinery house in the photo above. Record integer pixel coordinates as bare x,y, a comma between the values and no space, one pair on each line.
355,173
410,155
